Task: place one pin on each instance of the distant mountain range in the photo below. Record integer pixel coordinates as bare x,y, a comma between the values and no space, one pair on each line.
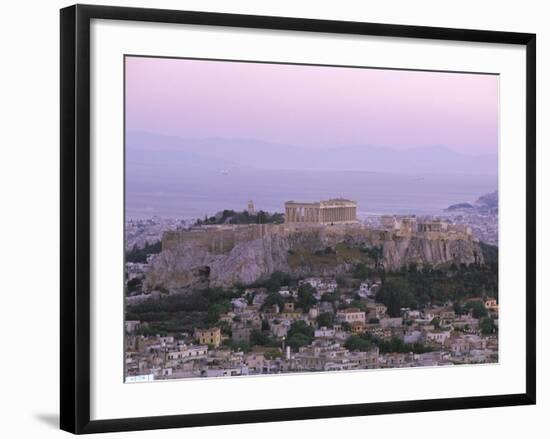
486,204
148,153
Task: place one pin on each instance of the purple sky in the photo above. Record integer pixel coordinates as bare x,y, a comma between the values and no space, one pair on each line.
314,107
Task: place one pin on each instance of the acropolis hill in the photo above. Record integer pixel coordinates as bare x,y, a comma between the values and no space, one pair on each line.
321,238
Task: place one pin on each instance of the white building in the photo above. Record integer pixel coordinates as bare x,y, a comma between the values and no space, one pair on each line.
438,336
351,315
324,332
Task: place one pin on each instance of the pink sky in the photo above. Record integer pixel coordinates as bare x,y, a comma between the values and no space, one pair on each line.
311,106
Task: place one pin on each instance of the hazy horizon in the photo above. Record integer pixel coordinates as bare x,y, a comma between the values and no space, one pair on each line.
327,147
203,136
313,107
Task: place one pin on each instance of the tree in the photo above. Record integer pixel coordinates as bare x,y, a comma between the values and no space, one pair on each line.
358,304
330,297
296,341
237,345
458,308
396,294
274,299
134,284
306,296
324,319
299,334
300,327
358,343
487,326
259,338
394,345
477,308
342,281
140,254
273,354
277,280
361,271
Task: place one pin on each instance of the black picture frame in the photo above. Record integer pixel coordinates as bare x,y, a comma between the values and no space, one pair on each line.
75,217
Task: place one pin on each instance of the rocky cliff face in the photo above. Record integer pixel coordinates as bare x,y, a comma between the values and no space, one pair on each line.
191,263
421,251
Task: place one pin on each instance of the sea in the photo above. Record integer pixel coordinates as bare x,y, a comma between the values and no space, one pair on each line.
196,193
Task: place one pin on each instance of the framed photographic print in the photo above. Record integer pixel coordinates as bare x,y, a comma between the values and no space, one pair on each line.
274,218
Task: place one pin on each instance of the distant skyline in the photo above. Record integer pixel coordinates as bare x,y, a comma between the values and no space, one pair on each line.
312,106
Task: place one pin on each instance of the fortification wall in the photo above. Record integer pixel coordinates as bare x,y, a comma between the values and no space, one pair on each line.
219,239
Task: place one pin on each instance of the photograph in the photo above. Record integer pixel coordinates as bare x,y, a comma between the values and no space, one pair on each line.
294,218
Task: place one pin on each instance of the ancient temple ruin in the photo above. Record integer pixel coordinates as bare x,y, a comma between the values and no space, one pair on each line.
336,210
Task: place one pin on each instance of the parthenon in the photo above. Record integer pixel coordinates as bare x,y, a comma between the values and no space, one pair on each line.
336,210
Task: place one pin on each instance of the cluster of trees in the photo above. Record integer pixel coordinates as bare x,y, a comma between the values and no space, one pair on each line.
375,253
140,254
361,271
244,217
325,319
414,288
300,334
304,301
274,282
476,307
235,345
134,285
365,342
182,312
487,326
